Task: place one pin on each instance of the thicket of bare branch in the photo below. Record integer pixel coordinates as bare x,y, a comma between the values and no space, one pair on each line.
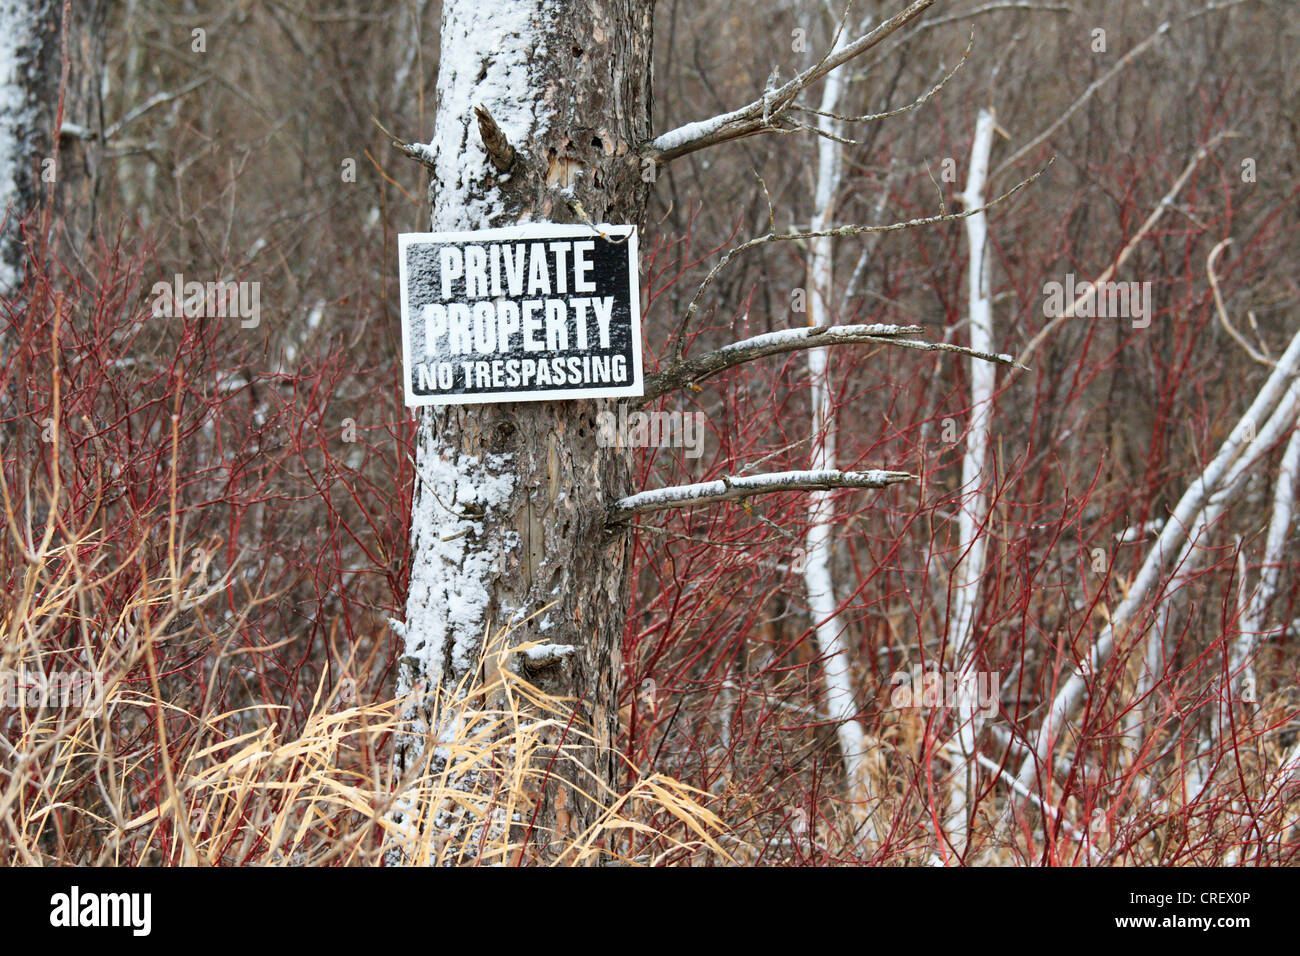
217,516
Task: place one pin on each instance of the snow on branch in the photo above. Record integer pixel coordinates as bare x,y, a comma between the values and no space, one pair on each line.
416,151
737,487
765,113
687,373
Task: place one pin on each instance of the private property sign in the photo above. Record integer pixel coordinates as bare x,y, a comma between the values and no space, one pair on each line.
530,313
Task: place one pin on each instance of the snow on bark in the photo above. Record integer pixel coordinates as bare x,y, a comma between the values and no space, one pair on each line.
25,41
447,602
733,488
487,46
14,108
511,500
454,545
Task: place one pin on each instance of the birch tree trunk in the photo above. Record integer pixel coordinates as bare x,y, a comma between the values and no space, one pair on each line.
841,698
510,505
28,88
973,516
1254,625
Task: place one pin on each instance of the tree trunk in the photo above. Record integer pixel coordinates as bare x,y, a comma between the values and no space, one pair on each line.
972,519
510,505
28,91
829,624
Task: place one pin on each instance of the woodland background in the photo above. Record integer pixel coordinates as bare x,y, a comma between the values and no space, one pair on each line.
218,516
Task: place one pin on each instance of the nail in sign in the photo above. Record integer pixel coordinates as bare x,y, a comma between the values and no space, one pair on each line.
529,313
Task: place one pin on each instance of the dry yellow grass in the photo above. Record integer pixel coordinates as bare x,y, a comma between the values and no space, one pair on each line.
144,775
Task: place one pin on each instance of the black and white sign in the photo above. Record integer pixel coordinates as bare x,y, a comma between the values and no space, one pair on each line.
529,313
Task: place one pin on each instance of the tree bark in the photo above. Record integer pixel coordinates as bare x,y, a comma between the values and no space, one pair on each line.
29,34
510,505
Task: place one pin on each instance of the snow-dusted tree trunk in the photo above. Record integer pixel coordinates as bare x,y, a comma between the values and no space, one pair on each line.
511,501
28,48
840,702
972,517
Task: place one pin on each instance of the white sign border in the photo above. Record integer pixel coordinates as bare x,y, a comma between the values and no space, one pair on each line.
529,230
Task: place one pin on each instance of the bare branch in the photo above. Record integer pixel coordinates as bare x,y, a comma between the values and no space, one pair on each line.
689,372
1166,203
915,104
1281,384
737,487
869,244
764,114
1102,80
694,304
995,7
156,100
1093,87
421,154
1228,327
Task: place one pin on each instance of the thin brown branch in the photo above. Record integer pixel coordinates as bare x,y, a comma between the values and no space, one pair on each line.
915,104
1224,321
1086,95
1166,203
693,307
410,150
